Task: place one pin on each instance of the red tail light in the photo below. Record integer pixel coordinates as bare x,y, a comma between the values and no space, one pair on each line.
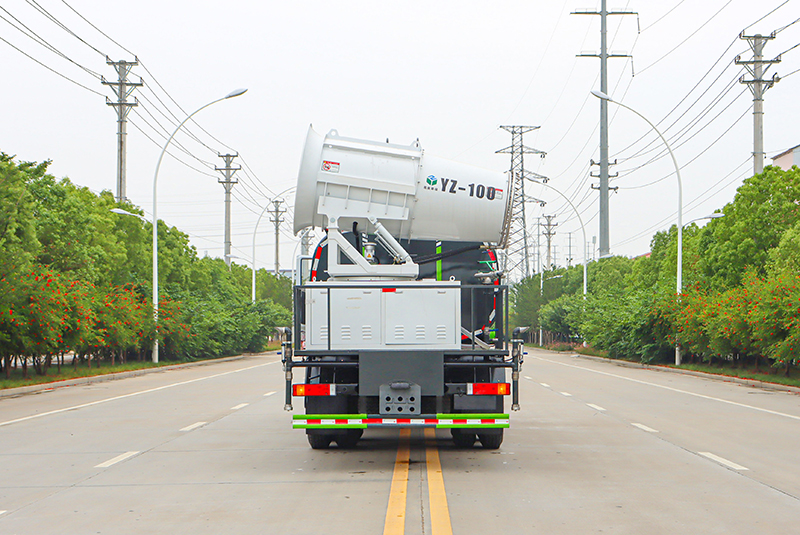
488,389
314,390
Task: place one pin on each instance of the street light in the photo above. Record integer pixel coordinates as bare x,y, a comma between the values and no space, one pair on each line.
715,215
679,283
120,211
232,94
228,257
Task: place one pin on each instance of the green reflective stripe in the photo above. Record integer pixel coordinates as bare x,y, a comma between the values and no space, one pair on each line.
328,416
470,426
472,416
438,262
329,426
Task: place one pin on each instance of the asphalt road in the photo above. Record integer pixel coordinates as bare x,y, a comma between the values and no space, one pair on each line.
597,448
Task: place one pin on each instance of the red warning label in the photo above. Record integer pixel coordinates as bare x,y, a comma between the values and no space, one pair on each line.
331,167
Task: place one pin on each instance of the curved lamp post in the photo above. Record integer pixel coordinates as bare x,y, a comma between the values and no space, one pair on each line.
585,258
679,284
255,230
253,292
232,94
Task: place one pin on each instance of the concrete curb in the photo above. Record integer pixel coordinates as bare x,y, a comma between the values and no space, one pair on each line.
44,387
705,375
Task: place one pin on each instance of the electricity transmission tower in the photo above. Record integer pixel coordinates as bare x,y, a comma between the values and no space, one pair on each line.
277,212
123,89
517,243
604,55
228,183
757,68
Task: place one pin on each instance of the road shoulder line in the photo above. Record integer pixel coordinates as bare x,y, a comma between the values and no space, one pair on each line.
713,376
33,389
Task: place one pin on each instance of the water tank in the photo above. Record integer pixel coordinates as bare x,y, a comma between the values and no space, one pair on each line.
413,194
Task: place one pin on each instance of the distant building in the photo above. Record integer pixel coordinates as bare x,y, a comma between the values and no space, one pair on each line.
787,158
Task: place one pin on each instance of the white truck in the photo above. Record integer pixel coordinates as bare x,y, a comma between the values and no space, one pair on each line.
400,314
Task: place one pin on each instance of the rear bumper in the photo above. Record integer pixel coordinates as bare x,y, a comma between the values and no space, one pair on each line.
367,421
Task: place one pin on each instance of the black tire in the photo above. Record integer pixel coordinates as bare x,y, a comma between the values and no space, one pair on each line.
464,440
491,442
349,440
319,442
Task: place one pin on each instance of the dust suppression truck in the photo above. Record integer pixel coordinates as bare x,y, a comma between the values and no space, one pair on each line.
400,314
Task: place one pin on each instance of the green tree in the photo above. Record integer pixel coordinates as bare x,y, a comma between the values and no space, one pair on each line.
765,206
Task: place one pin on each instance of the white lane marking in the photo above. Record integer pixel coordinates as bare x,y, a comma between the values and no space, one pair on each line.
3,512
776,413
645,428
528,378
596,407
239,406
117,459
268,394
132,394
720,460
545,385
566,394
194,426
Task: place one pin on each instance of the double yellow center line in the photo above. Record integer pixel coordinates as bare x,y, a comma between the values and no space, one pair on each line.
396,511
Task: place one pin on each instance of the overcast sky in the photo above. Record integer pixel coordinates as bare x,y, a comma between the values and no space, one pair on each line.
448,73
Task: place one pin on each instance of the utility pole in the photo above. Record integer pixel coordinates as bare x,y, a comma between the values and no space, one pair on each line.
123,89
228,172
758,86
540,265
549,233
277,212
569,250
305,241
517,237
604,55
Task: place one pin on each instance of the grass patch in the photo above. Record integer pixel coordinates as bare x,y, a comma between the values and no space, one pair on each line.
792,380
591,351
68,372
561,346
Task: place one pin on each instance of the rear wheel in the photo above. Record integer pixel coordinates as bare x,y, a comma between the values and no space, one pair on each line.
350,439
319,442
463,440
491,442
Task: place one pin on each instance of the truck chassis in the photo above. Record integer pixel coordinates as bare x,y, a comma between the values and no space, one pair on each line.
347,389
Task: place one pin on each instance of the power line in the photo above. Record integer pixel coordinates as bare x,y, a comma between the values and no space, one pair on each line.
98,29
689,204
683,100
58,23
41,41
767,15
692,34
779,30
701,152
663,16
157,144
663,151
52,70
178,145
